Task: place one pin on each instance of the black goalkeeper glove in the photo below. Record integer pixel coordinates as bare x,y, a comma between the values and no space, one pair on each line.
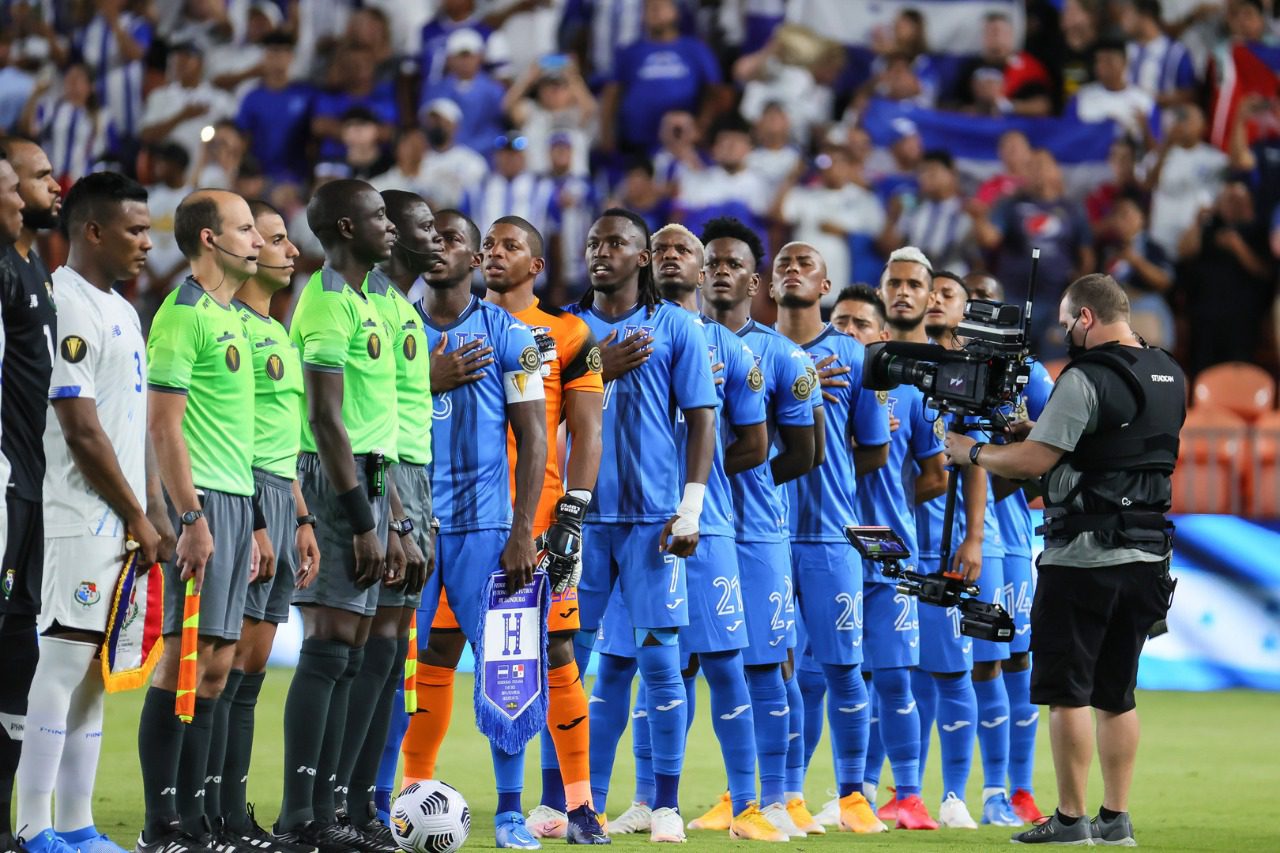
562,544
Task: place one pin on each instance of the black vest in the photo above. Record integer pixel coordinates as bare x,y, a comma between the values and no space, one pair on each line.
1126,464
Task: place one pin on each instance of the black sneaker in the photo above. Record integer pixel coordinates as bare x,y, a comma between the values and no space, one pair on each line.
173,840
254,839
313,835
8,844
374,829
1054,831
1117,832
358,840
583,827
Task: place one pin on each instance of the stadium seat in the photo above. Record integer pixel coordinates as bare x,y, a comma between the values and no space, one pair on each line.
1211,462
1245,389
1054,366
1264,468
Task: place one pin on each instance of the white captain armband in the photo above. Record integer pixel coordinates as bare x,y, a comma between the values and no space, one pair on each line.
522,386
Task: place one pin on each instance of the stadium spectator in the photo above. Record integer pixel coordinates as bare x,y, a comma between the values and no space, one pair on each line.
549,99
218,161
276,114
1143,269
1242,66
72,129
510,189
937,223
165,261
1184,175
906,39
892,173
773,158
16,85
1079,35
1158,64
1113,97
236,63
804,91
450,167
113,44
987,91
1026,83
1015,166
179,110
365,154
727,187
1122,159
453,16
369,29
352,82
477,94
205,23
408,173
639,191
1260,161
575,203
679,153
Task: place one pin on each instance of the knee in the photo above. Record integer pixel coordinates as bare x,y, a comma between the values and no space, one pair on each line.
444,649
986,671
560,649
1017,662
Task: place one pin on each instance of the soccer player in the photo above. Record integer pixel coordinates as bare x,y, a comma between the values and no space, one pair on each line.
288,540
890,623
347,436
827,576
99,488
1014,518
640,531
483,527
200,388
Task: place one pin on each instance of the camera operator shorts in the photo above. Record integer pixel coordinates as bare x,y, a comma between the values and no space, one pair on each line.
1088,626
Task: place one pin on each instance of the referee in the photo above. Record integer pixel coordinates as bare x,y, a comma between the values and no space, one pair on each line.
1106,444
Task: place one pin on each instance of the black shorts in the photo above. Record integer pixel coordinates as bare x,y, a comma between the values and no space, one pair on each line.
23,569
1088,626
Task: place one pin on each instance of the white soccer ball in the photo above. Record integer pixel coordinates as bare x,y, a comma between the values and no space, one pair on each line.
430,817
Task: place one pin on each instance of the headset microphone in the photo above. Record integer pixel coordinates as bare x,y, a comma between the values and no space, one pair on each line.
215,245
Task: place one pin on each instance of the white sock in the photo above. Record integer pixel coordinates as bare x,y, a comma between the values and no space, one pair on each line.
79,768
63,665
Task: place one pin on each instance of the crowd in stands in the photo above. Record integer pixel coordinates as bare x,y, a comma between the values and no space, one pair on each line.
555,109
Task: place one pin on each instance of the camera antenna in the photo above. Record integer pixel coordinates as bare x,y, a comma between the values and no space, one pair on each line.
1031,298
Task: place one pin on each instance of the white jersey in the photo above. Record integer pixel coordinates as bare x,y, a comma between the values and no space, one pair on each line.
100,356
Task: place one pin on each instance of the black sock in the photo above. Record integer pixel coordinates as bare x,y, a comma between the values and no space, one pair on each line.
1067,821
306,712
363,775
235,766
218,748
160,737
326,798
1107,814
17,667
193,764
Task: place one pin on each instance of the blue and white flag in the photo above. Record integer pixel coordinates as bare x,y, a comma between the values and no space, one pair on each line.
511,666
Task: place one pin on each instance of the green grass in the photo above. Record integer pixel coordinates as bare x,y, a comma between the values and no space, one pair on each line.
1207,775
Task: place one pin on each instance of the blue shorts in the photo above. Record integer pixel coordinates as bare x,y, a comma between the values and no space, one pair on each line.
804,651
890,626
652,582
769,601
717,621
1019,589
828,579
943,648
464,562
616,635
991,589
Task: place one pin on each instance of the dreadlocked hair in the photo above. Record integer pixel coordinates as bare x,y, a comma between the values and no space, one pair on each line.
647,291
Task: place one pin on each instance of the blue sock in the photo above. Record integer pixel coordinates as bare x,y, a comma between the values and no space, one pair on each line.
734,723
813,688
926,696
899,728
795,736
1022,735
508,770
769,710
642,747
691,703
993,730
609,707
660,667
875,746
553,789
386,781
848,714
957,718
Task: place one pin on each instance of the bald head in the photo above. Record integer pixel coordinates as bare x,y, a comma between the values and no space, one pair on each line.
799,276
401,204
337,201
201,218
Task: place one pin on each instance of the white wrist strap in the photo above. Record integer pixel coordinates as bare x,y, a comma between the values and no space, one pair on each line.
689,510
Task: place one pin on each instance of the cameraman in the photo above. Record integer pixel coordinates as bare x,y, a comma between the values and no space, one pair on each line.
1106,445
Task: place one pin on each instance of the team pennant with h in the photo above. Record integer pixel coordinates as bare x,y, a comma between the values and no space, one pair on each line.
511,662
133,639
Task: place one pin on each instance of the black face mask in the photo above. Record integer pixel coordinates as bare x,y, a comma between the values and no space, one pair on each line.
437,136
1075,350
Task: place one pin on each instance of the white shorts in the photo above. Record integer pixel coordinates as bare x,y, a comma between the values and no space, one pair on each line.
80,575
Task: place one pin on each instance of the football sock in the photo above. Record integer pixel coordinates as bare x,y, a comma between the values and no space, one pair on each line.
733,722
427,728
993,730
367,701
324,797
17,667
609,708
508,772
769,711
795,737
668,713
193,765
552,781
1022,734
813,689
218,746
642,746
926,696
391,756
235,766
364,774
78,769
571,733
899,728
848,714
957,718
306,717
582,643
875,746
160,736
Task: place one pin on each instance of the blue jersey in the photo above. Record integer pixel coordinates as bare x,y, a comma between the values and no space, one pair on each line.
929,514
1013,514
823,500
470,480
639,472
758,503
883,498
740,404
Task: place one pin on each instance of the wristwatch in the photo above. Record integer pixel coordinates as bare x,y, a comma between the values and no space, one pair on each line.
404,526
191,516
975,450
309,518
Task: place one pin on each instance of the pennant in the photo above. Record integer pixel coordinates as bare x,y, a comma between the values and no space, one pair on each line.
511,662
134,636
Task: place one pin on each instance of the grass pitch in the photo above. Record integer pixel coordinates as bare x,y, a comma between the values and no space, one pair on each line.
1207,776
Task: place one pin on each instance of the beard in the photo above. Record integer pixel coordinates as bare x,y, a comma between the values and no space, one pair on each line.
39,220
936,330
906,324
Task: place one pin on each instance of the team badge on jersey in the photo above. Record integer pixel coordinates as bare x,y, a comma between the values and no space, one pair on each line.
802,387
940,429
8,583
74,349
755,379
86,594
233,358
374,345
275,367
530,360
410,347
882,396
594,363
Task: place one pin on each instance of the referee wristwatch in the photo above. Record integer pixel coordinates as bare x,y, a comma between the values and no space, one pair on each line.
975,450
309,518
191,516
404,526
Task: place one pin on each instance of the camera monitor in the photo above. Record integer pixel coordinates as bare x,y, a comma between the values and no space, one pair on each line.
879,544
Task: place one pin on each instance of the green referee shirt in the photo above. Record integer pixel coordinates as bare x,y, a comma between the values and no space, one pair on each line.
277,405
197,347
338,329
413,371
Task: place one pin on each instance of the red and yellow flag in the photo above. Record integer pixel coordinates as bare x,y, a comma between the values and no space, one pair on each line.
185,706
411,669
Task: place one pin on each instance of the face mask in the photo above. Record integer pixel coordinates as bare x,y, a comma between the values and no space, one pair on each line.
437,136
1075,350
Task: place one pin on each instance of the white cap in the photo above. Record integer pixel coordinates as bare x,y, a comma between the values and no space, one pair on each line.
445,108
464,41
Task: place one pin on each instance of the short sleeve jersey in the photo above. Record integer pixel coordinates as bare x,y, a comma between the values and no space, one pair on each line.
339,330
570,362
413,368
930,514
883,498
1013,513
824,499
277,394
639,475
100,356
30,326
469,473
758,503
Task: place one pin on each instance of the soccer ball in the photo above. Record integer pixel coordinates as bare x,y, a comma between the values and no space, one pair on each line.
430,817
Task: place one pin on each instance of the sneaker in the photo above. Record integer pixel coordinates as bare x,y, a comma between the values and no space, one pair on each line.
718,817
912,813
89,840
667,826
1054,831
997,811
509,831
856,815
546,822
889,811
804,821
8,844
751,825
254,838
954,815
44,841
1117,832
583,827
1024,806
309,834
638,818
172,841
371,836
777,814
828,816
